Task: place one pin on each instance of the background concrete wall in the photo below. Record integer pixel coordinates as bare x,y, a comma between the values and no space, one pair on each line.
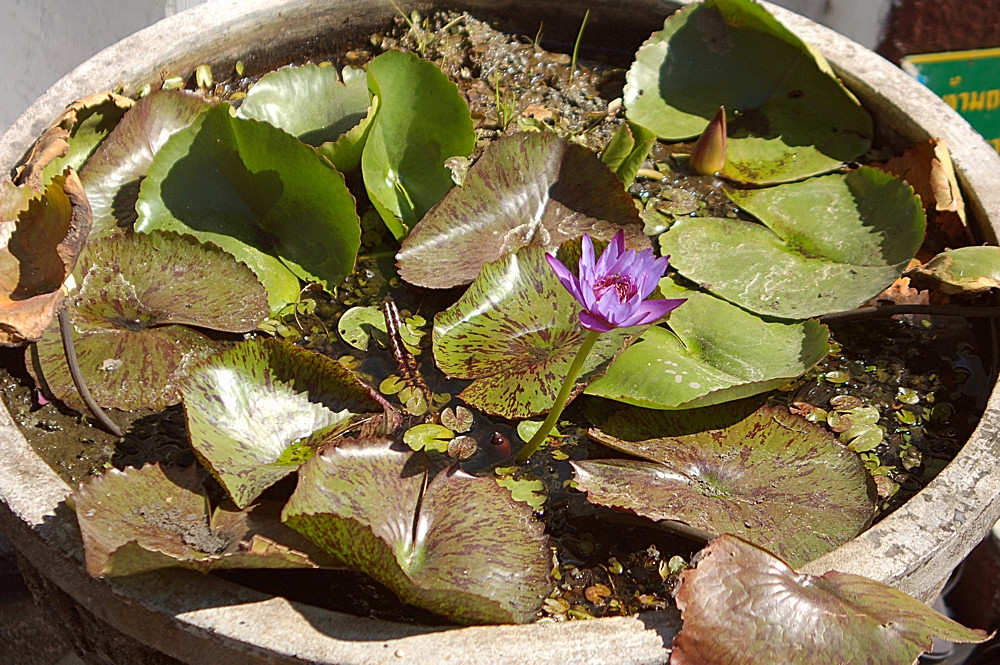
41,40
45,39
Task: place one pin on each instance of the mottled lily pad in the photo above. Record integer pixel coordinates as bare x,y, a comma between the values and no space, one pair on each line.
112,174
72,138
139,520
738,590
314,104
367,507
962,270
773,478
713,352
257,411
420,121
557,192
789,115
828,244
515,333
261,195
42,237
134,293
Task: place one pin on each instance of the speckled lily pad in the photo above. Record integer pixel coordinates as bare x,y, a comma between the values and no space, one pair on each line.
738,590
773,478
257,411
134,293
557,192
138,520
368,507
515,333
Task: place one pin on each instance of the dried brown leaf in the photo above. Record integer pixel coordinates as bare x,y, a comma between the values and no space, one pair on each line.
54,141
40,251
927,167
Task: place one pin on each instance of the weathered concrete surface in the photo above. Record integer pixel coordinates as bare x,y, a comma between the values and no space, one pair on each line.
206,621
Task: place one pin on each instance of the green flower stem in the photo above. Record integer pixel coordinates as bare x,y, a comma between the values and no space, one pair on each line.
561,398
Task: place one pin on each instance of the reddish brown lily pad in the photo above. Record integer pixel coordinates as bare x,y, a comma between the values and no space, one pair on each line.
557,192
742,604
134,291
42,239
138,520
773,478
367,506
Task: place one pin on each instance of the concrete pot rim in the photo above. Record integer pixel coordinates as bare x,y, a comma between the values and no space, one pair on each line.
203,619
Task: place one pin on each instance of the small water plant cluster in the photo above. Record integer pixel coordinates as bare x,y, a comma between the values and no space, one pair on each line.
162,251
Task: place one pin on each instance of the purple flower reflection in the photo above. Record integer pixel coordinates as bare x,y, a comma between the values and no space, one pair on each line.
613,291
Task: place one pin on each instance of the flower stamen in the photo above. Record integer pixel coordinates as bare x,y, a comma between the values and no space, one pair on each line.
623,284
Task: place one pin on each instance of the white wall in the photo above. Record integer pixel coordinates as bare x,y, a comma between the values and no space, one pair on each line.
41,40
861,20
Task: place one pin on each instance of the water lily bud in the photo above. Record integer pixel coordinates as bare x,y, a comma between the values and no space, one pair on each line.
709,154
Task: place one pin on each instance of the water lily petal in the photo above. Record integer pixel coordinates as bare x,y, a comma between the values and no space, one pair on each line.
611,254
591,322
565,277
650,311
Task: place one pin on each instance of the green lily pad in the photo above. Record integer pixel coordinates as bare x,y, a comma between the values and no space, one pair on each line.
138,520
314,104
715,352
428,436
113,173
257,411
258,193
962,270
627,150
42,238
366,507
557,192
420,122
829,244
738,590
525,490
789,115
515,333
361,325
773,478
134,292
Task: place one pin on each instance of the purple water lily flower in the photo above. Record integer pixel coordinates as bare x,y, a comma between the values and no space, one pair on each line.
613,290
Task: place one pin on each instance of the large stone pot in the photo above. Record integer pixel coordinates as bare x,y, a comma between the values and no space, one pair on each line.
203,620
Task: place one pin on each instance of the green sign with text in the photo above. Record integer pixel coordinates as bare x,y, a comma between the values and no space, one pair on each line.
969,81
